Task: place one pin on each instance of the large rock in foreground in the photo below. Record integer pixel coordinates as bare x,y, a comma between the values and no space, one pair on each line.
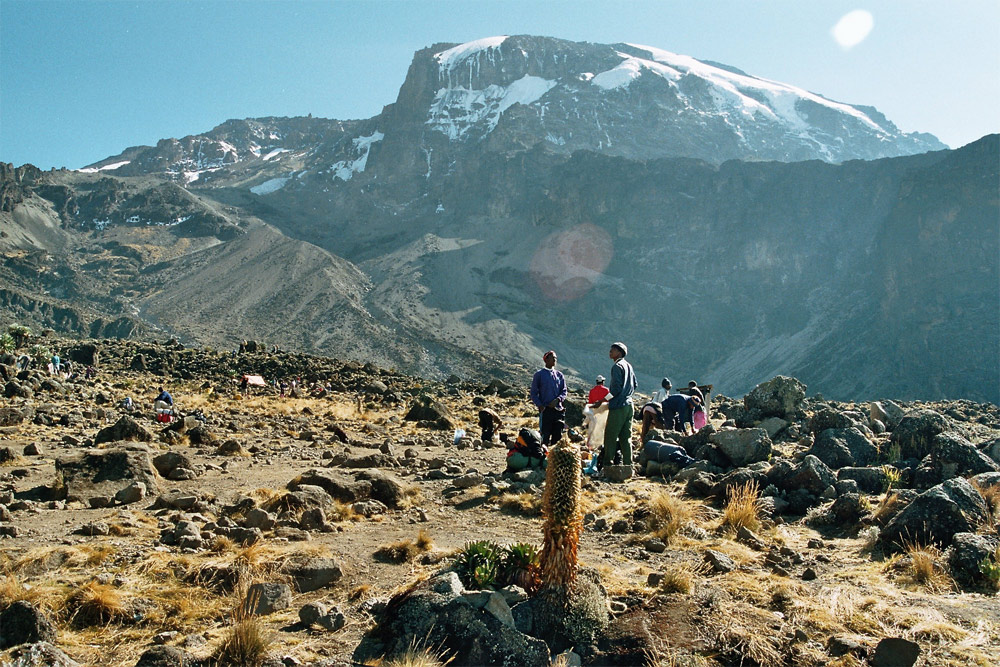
104,472
779,397
936,515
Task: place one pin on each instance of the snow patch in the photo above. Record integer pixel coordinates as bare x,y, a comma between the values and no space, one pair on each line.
455,111
274,153
345,169
450,58
273,185
107,167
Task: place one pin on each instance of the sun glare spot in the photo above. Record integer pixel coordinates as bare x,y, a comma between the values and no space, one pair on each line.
853,28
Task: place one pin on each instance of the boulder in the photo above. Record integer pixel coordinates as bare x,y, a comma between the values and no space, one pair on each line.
167,462
267,597
126,428
312,573
342,487
132,493
847,509
385,487
166,656
40,654
840,447
428,409
743,446
886,412
936,515
773,426
992,449
895,652
10,416
915,433
103,472
24,623
826,418
966,556
811,475
869,480
779,397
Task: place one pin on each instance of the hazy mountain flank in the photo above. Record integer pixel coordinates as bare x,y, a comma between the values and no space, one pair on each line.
524,193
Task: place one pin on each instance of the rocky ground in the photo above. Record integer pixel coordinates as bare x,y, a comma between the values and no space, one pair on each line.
809,532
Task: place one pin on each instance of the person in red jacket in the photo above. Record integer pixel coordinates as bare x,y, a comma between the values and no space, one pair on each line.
599,392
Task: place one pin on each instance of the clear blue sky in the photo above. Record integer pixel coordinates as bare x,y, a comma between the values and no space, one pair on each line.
81,80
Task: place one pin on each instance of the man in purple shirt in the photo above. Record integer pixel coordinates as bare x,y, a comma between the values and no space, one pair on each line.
548,391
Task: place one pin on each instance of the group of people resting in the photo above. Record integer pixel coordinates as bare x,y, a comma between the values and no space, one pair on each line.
679,412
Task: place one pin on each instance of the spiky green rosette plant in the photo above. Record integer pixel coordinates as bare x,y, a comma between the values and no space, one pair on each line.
563,520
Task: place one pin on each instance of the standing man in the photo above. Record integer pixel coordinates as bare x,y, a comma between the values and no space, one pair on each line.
618,432
548,391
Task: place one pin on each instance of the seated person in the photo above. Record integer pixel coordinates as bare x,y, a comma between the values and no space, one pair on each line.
527,451
164,401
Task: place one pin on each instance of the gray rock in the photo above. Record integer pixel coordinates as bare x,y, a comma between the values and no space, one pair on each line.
887,412
311,574
847,509
342,487
468,481
965,556
167,462
166,656
743,446
40,654
773,426
750,538
314,519
385,487
312,612
258,518
840,447
132,493
369,508
497,605
24,623
915,433
333,620
937,514
992,449
126,428
614,473
869,480
719,561
102,472
447,584
242,535
655,545
779,397
895,652
267,597
811,475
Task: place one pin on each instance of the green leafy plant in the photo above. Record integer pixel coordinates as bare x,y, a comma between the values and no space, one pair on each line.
40,354
892,454
990,568
520,566
890,478
478,564
7,343
20,334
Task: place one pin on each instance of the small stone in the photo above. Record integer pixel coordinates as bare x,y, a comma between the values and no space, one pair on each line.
332,621
719,561
656,545
267,597
895,652
312,612
809,574
654,579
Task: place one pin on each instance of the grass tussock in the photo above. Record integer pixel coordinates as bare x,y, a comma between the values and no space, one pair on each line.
418,654
887,509
405,550
922,569
742,508
674,657
747,638
246,643
991,494
341,511
95,604
523,504
678,580
668,514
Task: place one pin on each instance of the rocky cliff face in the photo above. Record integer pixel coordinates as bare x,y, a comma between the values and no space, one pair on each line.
525,193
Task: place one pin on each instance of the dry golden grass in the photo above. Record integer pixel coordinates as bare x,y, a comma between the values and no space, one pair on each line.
991,494
95,604
924,569
675,657
42,559
668,514
13,589
742,508
525,504
747,637
405,550
341,511
246,642
886,509
678,579
417,654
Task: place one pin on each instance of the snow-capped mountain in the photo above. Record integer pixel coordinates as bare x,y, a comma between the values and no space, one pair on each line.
514,93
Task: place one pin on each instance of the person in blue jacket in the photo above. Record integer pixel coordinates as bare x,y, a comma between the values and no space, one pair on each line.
548,391
678,410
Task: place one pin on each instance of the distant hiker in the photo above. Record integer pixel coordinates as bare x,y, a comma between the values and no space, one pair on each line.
89,373
678,412
599,392
693,390
128,405
489,422
618,432
663,391
164,401
527,451
56,366
548,391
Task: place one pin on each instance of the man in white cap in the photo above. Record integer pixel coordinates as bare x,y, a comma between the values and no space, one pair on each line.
618,432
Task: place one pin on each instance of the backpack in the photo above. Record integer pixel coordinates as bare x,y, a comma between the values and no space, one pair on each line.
529,443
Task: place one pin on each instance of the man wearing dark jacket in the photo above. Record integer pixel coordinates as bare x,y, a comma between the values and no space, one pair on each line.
618,432
548,391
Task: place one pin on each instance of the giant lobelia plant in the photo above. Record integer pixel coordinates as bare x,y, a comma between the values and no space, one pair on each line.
563,520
